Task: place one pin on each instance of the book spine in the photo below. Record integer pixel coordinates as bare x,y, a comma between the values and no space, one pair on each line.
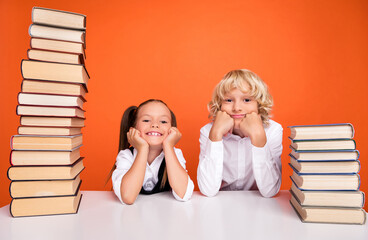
30,29
10,191
21,68
8,174
11,157
11,206
363,198
11,142
352,130
32,14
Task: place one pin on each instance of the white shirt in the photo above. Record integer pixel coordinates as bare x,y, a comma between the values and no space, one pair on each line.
235,164
125,160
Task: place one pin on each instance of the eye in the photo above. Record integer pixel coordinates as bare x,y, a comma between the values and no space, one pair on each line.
145,120
164,122
227,100
247,100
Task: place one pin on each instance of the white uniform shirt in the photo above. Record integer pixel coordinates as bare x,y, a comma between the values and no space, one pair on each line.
125,160
235,164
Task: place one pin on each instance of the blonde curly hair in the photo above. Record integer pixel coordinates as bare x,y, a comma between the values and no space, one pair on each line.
236,79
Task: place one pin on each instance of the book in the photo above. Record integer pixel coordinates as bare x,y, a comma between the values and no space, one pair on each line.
44,188
325,166
323,131
45,142
29,158
317,144
328,198
50,100
52,121
329,215
326,181
39,206
40,31
325,155
58,18
31,130
57,45
46,172
25,110
51,56
49,87
62,72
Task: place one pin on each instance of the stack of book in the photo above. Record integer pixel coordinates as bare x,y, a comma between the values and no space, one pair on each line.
325,180
45,158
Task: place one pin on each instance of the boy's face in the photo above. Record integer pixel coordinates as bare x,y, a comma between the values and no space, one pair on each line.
237,104
153,121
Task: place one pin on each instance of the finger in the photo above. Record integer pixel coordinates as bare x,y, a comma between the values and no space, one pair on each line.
129,138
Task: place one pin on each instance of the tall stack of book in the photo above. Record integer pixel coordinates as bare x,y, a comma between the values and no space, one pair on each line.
45,158
325,180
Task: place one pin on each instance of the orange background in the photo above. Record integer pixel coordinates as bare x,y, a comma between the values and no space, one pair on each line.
312,54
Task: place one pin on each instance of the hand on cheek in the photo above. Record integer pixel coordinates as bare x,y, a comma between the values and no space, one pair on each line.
252,126
136,140
222,126
172,137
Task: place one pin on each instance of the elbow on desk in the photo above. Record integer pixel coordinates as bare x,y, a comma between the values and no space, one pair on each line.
207,192
270,193
127,199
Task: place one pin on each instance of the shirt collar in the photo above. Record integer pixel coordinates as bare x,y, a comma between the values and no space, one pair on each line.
155,162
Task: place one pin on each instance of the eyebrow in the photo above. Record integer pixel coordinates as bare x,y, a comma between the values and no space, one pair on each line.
244,95
147,115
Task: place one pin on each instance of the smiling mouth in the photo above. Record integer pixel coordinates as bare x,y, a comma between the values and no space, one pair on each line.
238,116
154,134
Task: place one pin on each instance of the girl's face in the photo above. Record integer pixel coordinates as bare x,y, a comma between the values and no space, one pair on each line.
237,104
153,121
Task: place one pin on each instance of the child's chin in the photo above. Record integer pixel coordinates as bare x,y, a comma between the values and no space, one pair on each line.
155,144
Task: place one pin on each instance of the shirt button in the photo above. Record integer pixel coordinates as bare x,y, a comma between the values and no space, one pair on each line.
149,186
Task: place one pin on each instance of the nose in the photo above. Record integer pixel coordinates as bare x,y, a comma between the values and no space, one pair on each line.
154,125
236,106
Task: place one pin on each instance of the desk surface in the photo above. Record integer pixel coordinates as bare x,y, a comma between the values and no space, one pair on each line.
228,215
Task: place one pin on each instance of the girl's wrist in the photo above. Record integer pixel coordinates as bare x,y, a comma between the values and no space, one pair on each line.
144,148
167,145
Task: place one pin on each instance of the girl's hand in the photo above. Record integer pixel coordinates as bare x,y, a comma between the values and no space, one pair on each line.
252,126
172,137
135,139
222,125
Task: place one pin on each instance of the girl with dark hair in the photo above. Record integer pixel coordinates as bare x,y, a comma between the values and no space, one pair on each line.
148,161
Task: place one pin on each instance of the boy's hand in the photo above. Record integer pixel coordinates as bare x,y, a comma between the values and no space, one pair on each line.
222,125
252,126
172,137
135,139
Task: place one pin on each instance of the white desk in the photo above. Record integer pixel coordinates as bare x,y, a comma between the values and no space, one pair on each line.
229,215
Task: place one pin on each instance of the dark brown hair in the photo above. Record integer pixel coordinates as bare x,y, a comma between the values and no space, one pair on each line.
129,120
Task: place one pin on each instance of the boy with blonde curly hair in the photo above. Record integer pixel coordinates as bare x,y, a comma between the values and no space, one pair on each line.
241,148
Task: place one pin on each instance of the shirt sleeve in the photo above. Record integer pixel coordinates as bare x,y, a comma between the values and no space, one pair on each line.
124,161
210,167
190,186
267,162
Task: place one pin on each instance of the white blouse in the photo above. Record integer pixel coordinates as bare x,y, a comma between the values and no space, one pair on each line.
235,164
125,160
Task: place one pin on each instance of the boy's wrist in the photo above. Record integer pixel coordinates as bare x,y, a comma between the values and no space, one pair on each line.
258,139
215,135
